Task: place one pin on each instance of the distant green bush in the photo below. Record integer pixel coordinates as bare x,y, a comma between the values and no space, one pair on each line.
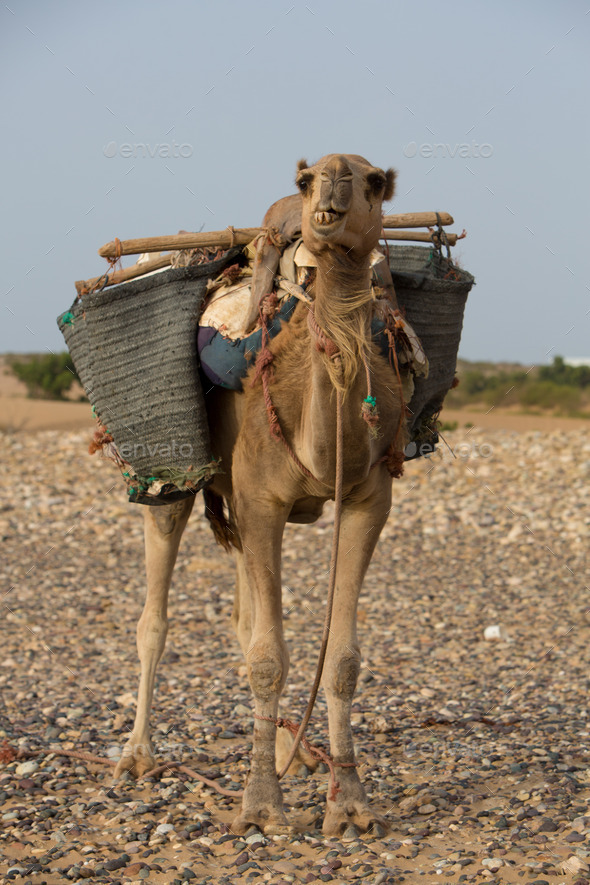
47,376
559,388
564,398
560,373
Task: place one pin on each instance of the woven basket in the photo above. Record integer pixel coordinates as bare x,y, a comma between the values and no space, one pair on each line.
134,348
73,328
431,292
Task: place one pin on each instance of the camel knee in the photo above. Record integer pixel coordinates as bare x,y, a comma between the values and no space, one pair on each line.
165,519
341,672
152,629
267,671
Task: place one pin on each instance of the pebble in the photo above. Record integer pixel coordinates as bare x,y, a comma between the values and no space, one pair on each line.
24,769
575,837
475,749
494,632
492,863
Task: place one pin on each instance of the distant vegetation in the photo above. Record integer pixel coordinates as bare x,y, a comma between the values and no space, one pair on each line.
47,376
558,388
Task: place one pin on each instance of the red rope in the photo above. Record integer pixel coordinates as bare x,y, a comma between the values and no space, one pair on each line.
315,752
264,372
332,585
9,754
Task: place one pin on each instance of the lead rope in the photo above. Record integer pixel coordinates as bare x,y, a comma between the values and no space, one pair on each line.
331,589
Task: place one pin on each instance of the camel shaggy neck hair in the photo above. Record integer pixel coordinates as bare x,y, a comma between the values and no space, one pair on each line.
344,315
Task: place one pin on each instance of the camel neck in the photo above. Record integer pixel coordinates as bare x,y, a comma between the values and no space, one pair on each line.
342,313
337,274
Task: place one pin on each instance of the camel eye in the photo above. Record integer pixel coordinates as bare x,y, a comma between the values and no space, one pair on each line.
303,183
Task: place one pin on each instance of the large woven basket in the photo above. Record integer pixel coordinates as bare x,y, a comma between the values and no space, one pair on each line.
431,292
134,348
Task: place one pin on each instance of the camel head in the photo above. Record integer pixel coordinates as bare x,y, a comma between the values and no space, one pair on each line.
342,198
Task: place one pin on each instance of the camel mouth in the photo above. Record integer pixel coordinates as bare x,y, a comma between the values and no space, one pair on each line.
328,219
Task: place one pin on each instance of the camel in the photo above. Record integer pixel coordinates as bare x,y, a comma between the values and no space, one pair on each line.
325,348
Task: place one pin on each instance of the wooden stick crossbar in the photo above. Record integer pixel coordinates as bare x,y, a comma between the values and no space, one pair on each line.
241,236
418,236
222,238
417,219
112,278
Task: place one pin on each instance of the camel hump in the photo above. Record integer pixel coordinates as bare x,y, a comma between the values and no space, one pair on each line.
284,216
281,225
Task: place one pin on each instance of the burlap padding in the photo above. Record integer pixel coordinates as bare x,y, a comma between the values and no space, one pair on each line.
431,293
135,346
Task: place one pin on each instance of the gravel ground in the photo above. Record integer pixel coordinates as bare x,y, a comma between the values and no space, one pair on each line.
474,748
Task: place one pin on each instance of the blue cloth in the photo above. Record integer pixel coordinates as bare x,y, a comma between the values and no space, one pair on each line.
225,361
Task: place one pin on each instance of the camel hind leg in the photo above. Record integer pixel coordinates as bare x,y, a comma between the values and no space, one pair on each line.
163,530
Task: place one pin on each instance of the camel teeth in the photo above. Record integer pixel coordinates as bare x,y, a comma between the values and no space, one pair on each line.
325,217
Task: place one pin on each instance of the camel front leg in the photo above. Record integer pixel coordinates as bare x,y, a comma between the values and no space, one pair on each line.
261,530
164,526
242,624
360,529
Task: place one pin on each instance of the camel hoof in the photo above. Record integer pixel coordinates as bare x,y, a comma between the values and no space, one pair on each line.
349,820
270,825
135,761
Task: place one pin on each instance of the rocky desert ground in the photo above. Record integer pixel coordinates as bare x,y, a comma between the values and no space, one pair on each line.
471,717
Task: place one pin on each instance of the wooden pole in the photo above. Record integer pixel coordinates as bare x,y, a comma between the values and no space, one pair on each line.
417,236
241,236
120,276
138,270
222,238
417,219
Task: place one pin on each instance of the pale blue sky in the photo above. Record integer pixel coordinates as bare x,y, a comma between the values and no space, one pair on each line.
240,91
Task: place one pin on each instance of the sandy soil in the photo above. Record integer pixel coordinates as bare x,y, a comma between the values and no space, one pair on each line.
19,413
508,419
474,749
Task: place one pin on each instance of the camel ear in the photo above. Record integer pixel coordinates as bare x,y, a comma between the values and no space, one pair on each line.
381,183
390,177
302,164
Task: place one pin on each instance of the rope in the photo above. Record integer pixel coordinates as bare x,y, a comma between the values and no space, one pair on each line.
369,405
316,752
331,589
263,371
323,344
8,754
